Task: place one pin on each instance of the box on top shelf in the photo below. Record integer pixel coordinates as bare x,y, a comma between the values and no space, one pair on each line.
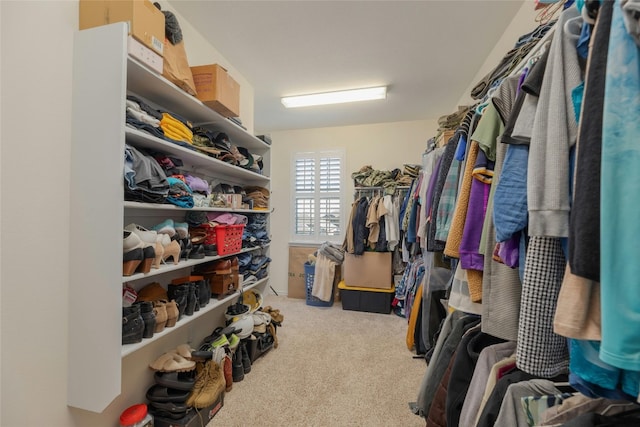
145,21
145,55
217,89
369,270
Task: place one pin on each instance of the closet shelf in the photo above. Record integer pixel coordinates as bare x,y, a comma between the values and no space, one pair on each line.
146,85
140,139
128,349
165,268
168,207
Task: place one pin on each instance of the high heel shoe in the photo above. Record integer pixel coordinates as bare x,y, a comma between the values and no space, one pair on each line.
149,240
132,253
172,250
148,257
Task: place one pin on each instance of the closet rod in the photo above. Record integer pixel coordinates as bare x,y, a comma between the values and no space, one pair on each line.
399,187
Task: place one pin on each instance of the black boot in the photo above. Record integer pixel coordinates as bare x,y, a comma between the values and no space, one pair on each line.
246,361
204,292
180,293
148,317
132,325
192,300
237,367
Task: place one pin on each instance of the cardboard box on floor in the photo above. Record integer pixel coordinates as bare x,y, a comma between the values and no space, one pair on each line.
298,255
369,270
146,22
217,89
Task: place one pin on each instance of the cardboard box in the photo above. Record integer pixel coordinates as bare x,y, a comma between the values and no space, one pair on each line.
217,89
146,22
145,55
194,418
369,270
297,257
366,299
232,200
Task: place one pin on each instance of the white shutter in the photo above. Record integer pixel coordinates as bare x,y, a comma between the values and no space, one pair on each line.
317,196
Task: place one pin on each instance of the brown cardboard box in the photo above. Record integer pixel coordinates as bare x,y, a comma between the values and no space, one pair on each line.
146,22
217,89
369,270
297,257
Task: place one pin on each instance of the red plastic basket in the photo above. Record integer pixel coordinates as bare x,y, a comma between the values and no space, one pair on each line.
229,238
211,233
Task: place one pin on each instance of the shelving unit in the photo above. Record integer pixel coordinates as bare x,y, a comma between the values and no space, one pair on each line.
104,75
213,304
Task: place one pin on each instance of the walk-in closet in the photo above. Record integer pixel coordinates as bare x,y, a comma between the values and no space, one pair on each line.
319,213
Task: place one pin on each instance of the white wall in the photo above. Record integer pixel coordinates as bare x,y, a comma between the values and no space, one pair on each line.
36,83
383,146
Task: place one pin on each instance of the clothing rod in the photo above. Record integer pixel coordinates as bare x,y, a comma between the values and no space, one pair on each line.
534,52
399,187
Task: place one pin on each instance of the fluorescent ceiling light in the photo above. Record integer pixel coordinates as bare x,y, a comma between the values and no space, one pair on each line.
338,97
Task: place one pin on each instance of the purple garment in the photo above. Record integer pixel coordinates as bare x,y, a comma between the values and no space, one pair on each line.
509,251
197,184
227,218
470,257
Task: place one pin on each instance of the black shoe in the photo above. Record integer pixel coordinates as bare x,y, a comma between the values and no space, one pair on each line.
204,292
148,317
237,367
132,325
192,299
180,293
246,361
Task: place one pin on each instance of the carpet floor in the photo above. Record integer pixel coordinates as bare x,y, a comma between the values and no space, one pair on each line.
333,367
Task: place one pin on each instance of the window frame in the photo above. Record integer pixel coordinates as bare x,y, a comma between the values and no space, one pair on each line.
317,195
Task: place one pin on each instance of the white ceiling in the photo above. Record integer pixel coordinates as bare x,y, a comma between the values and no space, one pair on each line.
427,52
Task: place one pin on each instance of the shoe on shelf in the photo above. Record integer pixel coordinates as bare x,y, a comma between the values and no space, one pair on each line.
132,253
160,310
172,313
159,393
182,228
172,362
172,250
165,227
176,380
132,325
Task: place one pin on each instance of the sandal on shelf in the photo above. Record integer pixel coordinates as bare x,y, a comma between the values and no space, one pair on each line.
172,362
176,380
159,393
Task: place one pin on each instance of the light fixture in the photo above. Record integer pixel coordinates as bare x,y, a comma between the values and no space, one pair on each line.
337,97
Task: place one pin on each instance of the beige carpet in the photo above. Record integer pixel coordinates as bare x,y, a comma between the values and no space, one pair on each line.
333,367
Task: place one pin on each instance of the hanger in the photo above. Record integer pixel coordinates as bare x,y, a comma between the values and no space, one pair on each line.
547,13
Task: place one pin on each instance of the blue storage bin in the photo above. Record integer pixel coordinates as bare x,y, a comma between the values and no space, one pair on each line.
309,273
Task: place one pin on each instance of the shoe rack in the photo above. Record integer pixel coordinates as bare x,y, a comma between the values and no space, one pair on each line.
104,75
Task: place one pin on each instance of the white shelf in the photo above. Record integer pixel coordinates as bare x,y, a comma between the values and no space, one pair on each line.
168,207
166,268
144,82
102,79
128,349
196,159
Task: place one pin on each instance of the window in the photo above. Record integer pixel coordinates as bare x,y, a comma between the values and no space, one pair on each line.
317,196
